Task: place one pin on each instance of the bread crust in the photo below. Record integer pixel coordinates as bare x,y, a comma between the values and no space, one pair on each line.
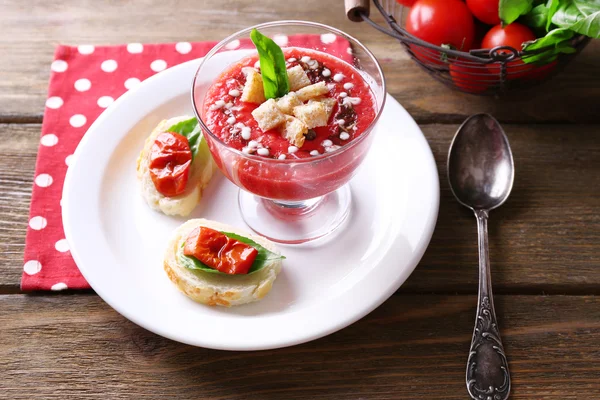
218,289
200,175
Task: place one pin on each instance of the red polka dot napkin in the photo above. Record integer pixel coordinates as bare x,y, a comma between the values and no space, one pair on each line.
84,81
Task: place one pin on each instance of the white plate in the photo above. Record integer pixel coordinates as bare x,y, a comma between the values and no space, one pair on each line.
118,242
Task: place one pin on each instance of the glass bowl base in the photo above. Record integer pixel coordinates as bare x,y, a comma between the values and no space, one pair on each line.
296,222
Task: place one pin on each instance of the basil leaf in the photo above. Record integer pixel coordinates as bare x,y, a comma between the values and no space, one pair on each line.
263,258
559,38
194,264
510,10
581,16
538,17
552,6
272,66
190,128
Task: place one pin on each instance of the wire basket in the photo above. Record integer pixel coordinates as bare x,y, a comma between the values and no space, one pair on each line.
483,71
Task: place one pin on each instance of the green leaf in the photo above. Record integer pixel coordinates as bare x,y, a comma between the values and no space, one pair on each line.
510,10
537,18
581,16
263,258
552,6
272,66
557,39
586,7
191,130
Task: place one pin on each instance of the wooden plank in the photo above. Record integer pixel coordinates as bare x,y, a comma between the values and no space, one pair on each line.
32,30
76,347
18,150
543,240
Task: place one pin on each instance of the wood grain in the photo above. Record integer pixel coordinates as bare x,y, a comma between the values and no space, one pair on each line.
543,240
18,150
412,347
32,29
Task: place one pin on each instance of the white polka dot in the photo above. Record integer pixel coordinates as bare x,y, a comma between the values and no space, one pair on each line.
234,44
38,223
281,40
135,48
131,83
349,50
158,65
59,286
68,159
183,47
105,101
77,121
49,140
328,38
109,66
85,49
54,102
59,66
62,245
43,180
81,85
32,267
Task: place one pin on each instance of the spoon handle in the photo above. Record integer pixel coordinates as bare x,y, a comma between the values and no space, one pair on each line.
487,368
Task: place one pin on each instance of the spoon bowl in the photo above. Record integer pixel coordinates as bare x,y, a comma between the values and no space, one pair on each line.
480,164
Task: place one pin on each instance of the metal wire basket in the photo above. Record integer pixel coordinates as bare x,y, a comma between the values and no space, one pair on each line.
483,71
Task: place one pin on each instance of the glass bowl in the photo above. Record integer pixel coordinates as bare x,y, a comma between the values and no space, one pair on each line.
301,199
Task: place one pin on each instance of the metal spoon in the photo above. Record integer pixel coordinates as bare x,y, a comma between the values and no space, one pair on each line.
481,174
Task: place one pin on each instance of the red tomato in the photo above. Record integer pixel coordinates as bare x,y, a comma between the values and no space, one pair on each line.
407,3
440,22
485,10
513,35
170,159
470,78
219,251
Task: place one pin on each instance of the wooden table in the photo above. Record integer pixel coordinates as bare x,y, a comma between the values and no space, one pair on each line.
545,242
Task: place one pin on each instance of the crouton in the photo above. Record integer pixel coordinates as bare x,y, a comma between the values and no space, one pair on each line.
268,115
297,77
293,130
313,114
253,89
287,103
312,91
328,101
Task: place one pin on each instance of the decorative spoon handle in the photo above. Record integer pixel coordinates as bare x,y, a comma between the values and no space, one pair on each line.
487,368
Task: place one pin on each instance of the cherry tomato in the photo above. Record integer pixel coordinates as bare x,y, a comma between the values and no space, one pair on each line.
513,35
470,78
170,159
407,3
219,251
485,10
440,22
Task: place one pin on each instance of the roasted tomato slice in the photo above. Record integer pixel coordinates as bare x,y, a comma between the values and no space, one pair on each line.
219,251
170,160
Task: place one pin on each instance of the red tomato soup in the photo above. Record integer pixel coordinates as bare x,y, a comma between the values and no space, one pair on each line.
230,119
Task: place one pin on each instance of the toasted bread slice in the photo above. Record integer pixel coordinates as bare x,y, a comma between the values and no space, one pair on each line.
200,173
218,289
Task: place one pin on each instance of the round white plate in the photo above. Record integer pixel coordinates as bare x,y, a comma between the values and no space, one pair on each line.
118,241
